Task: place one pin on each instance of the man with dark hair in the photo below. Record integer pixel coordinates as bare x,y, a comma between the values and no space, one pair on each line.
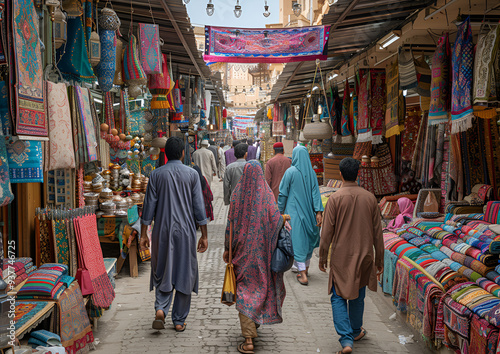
205,160
215,150
252,150
229,154
234,171
174,200
275,169
222,161
352,228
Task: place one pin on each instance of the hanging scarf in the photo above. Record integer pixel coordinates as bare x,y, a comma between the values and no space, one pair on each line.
377,104
484,72
177,97
364,131
462,62
346,132
440,84
424,82
392,111
73,58
407,72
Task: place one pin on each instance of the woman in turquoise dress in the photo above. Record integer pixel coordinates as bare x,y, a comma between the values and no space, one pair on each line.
300,198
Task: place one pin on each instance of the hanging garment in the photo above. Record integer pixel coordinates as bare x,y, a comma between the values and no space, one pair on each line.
149,38
377,102
73,58
346,131
105,70
462,62
5,118
29,98
392,112
484,90
440,83
364,131
61,153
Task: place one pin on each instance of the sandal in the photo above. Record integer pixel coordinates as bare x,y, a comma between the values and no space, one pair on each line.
343,352
301,282
363,334
182,329
159,324
241,349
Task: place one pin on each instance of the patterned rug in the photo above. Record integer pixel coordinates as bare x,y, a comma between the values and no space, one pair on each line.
31,119
266,45
377,101
26,310
364,131
440,82
392,111
25,161
149,48
84,109
74,325
462,62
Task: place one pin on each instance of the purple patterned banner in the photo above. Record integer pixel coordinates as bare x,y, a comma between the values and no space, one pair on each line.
266,45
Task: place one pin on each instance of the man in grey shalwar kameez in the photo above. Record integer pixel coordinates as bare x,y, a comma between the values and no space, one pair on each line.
174,200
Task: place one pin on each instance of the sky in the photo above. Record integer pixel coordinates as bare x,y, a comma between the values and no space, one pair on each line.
251,16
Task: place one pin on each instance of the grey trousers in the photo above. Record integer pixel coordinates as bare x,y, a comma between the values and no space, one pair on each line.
180,309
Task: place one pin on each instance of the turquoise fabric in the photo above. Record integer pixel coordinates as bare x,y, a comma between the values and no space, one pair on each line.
300,198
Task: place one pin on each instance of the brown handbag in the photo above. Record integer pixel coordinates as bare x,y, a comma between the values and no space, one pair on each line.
228,296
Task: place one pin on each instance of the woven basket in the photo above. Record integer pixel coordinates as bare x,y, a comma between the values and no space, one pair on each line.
318,129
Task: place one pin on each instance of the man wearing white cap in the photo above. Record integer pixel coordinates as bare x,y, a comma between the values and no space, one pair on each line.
205,160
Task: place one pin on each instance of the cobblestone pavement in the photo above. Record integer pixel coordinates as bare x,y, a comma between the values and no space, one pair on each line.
214,327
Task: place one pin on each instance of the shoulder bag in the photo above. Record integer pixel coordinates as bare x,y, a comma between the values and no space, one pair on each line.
282,258
228,296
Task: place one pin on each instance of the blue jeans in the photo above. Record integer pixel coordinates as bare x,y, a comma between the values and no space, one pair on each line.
348,323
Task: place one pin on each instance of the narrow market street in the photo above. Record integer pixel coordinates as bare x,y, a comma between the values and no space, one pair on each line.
214,328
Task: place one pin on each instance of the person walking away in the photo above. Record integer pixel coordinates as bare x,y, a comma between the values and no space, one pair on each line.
258,149
252,150
205,160
299,197
256,224
215,150
222,162
229,154
275,169
234,171
174,201
352,226
208,197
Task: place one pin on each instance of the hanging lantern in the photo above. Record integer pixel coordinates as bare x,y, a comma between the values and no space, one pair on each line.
106,69
109,20
133,73
73,8
95,49
60,28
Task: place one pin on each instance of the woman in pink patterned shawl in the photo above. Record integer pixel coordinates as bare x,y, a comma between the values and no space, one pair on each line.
256,223
406,214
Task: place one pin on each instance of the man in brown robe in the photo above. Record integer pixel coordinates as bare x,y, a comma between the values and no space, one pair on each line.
275,169
352,226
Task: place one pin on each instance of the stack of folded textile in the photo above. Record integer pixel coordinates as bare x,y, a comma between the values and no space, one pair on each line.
17,270
44,338
44,283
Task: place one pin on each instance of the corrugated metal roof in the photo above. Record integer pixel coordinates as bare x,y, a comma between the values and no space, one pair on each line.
356,25
163,11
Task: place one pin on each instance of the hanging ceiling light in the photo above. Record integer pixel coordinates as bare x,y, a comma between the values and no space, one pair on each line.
210,8
331,2
237,9
185,2
297,9
266,10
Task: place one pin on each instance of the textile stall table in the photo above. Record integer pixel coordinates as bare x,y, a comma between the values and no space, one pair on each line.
110,229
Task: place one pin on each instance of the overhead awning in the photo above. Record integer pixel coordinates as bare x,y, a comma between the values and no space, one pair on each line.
355,26
177,33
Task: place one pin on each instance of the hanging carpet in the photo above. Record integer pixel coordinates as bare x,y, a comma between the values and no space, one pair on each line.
266,45
82,96
377,104
440,83
392,112
25,161
30,109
